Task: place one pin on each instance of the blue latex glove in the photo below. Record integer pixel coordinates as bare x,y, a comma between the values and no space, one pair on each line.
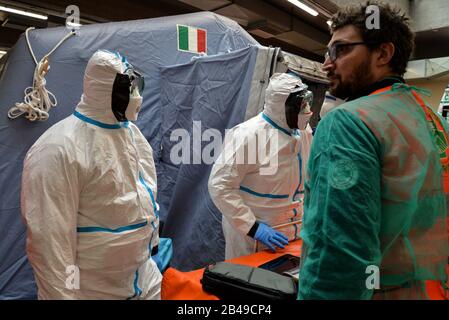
164,255
270,237
158,262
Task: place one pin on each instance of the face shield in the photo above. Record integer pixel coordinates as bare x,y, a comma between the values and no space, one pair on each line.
127,94
297,107
137,80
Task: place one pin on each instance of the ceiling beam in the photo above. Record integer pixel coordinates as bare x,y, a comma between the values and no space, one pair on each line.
9,36
112,10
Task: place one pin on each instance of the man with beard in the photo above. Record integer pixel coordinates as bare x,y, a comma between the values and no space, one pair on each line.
375,196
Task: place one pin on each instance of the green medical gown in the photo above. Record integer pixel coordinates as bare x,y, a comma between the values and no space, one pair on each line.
373,197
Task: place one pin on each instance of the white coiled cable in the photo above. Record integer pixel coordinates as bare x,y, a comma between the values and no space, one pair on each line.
38,100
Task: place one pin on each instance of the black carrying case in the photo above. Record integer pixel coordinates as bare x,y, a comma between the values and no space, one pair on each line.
230,281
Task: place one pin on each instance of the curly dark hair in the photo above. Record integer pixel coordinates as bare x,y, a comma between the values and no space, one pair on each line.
394,28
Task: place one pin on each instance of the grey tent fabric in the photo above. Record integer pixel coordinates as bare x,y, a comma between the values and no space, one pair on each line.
149,45
210,93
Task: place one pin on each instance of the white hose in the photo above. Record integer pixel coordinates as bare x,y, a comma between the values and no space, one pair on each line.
38,100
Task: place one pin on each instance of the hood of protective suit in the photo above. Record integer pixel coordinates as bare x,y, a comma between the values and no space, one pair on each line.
280,87
330,102
99,77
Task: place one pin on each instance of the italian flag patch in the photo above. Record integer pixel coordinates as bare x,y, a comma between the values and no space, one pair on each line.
192,39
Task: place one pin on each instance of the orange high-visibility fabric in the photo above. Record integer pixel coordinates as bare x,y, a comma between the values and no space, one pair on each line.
177,285
434,289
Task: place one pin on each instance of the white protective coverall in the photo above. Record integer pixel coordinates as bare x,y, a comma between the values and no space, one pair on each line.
88,200
329,103
242,191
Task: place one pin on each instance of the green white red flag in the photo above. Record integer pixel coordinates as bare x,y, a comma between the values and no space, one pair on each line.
192,39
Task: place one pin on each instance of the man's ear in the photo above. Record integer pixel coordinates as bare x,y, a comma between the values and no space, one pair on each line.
385,53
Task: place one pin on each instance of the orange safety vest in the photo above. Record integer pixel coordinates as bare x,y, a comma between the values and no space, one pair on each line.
435,289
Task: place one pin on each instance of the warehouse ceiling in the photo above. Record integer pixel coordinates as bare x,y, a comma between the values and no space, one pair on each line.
271,22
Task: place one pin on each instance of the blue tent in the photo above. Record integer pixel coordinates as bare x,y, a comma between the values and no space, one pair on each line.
183,91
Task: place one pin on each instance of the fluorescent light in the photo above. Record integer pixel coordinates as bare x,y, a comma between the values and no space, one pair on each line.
304,7
24,13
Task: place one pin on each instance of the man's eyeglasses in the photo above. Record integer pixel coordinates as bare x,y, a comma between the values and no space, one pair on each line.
337,49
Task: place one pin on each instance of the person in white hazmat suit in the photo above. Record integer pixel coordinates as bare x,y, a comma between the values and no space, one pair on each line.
89,194
252,200
330,103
